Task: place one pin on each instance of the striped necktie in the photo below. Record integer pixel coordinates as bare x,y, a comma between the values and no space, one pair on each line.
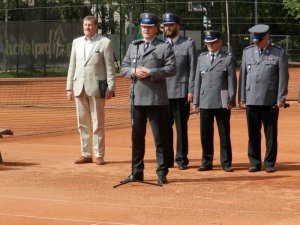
212,59
261,51
146,45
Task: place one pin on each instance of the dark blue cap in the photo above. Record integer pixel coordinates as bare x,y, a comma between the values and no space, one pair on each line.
258,31
211,35
149,19
171,18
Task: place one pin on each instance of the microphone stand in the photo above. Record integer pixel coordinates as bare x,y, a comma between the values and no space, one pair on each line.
133,80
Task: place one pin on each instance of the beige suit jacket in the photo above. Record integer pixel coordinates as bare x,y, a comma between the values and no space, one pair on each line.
98,65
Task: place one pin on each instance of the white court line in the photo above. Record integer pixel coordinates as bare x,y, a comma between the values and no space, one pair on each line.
240,133
61,219
155,207
65,146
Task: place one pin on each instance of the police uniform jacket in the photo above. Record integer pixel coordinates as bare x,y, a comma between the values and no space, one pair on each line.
186,61
212,82
160,59
263,80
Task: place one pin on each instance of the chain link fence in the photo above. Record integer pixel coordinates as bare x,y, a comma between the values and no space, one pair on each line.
37,35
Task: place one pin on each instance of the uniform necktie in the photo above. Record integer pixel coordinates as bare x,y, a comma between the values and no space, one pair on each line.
212,59
146,45
261,51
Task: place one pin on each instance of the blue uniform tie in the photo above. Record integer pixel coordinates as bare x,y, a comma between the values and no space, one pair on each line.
261,51
146,46
212,59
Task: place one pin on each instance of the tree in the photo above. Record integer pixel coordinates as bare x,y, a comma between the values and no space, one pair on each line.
293,7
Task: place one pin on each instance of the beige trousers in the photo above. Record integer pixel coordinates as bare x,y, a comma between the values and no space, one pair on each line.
90,120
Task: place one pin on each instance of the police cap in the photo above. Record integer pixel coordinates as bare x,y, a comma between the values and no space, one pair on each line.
169,18
258,31
211,35
148,19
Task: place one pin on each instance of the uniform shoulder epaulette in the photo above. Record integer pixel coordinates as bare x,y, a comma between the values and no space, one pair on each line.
188,38
248,47
159,41
204,53
277,46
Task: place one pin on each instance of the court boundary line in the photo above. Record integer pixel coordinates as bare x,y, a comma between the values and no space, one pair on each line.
62,219
150,206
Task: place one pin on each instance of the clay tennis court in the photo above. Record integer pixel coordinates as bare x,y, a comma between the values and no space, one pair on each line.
41,185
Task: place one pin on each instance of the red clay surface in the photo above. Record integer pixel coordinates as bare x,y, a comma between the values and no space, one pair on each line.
40,185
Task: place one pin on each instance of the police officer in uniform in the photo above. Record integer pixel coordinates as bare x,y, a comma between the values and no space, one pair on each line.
148,62
262,91
214,96
180,88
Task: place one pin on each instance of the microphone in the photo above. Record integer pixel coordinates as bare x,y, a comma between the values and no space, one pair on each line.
137,42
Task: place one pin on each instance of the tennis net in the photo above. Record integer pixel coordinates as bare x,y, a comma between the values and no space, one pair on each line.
30,106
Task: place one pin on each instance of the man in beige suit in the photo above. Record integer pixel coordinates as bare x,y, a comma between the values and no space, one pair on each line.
91,62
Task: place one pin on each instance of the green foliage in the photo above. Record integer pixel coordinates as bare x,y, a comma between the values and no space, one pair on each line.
122,17
293,7
49,10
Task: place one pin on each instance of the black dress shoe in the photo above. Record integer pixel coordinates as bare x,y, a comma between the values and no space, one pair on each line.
227,169
254,169
183,166
135,177
204,168
270,169
162,179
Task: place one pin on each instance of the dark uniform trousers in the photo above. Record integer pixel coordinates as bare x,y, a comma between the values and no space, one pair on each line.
207,135
256,116
179,111
157,115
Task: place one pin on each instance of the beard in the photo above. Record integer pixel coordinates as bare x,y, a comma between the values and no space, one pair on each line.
171,34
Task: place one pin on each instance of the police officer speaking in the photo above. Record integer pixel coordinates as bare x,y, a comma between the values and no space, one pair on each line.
148,62
214,95
262,91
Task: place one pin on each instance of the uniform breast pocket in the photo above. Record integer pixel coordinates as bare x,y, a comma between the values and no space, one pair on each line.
134,59
220,73
181,54
203,71
250,65
182,60
154,60
203,74
270,66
